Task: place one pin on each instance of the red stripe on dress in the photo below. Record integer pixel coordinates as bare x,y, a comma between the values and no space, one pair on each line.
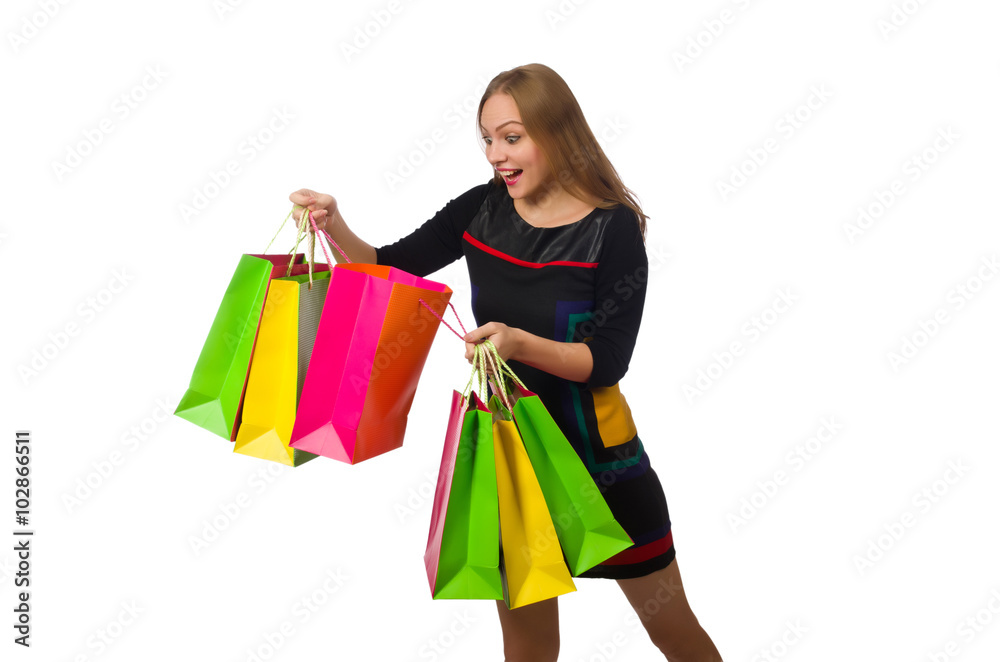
524,263
643,553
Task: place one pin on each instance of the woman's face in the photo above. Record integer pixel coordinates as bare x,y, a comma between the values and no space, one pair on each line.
510,150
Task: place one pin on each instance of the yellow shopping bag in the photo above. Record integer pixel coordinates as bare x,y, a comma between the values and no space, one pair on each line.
532,565
277,372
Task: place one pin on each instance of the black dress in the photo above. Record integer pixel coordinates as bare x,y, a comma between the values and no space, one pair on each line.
581,282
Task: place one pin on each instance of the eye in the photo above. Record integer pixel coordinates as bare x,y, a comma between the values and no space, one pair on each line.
511,139
486,139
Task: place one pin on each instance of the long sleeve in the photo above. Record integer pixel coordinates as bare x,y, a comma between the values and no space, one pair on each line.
622,272
438,242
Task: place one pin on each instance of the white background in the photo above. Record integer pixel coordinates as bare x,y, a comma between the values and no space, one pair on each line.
674,131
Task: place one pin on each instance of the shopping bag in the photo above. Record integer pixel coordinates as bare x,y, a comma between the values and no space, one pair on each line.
277,372
463,545
531,560
215,394
588,532
533,567
373,339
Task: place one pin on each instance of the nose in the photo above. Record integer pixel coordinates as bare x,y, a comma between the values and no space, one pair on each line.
496,153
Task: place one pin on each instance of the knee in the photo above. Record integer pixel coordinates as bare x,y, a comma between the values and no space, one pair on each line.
669,646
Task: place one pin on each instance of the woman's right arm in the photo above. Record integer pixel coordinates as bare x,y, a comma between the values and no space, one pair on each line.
327,216
433,245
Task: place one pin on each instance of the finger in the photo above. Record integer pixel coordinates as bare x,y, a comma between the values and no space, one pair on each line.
477,334
297,211
302,196
319,218
317,214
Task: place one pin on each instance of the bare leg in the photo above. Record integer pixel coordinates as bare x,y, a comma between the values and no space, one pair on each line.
531,632
660,603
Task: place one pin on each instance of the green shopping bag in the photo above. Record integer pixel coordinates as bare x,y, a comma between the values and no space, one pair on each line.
215,395
214,399
587,531
533,566
463,545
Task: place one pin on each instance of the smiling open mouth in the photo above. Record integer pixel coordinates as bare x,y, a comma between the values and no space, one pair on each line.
511,176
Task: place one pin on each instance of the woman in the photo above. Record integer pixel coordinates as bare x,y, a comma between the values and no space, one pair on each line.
557,263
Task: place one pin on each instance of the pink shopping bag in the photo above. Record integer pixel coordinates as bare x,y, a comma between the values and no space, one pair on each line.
373,339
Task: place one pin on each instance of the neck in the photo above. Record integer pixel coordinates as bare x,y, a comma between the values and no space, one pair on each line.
554,205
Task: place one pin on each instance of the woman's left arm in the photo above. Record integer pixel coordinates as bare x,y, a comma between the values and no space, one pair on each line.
602,357
569,360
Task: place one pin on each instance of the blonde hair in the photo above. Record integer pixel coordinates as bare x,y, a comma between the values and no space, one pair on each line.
553,118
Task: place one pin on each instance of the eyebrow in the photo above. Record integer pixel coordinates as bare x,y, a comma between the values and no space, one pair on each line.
502,125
